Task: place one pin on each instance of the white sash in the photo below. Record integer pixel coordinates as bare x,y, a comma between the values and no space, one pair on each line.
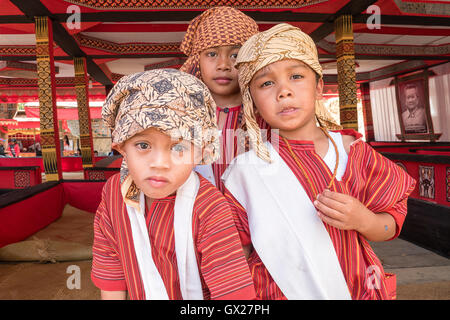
190,284
285,230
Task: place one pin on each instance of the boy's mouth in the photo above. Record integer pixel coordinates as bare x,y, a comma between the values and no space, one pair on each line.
157,181
222,80
287,111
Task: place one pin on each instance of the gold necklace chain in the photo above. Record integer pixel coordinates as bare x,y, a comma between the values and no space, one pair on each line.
299,164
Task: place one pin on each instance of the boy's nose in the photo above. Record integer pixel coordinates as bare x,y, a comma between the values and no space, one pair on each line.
224,63
160,160
284,91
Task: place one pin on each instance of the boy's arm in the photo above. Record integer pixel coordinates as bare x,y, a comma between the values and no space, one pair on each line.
239,216
381,216
107,271
113,295
241,221
348,213
222,262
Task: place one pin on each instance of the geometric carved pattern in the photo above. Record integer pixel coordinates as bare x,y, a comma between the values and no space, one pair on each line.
47,102
96,175
45,92
22,179
17,50
118,48
84,118
345,47
346,72
191,4
48,138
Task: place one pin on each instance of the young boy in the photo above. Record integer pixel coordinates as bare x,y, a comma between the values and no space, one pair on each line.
313,203
211,43
161,230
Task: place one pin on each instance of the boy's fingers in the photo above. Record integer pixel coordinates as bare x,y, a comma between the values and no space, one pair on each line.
331,202
328,211
339,197
330,221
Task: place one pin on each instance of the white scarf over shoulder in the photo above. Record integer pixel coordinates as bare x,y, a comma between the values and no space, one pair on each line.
285,229
190,283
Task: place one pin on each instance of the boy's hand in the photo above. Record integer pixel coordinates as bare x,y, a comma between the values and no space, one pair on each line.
343,211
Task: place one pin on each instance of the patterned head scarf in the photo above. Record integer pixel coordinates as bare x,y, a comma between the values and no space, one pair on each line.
172,101
280,42
219,26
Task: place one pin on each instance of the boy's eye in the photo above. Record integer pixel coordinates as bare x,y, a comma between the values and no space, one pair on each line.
142,145
179,148
297,76
233,55
266,83
211,54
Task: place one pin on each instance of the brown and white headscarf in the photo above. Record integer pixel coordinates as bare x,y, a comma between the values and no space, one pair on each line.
280,42
174,102
219,26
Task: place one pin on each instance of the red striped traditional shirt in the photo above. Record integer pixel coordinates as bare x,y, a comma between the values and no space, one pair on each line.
378,183
223,269
229,141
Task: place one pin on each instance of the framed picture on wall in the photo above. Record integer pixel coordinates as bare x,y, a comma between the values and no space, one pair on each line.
414,107
426,182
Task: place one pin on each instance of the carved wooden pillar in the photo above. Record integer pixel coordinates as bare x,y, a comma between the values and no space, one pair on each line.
84,117
346,72
51,151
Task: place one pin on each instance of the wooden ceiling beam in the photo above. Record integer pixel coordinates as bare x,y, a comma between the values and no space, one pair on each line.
353,8
34,8
175,55
282,16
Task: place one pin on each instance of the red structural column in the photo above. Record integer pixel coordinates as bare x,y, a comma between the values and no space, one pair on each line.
51,151
367,111
84,117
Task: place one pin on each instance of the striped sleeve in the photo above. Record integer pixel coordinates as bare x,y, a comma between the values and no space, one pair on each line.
222,261
239,216
107,272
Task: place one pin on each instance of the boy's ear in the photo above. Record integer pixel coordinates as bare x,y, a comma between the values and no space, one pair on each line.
119,148
319,89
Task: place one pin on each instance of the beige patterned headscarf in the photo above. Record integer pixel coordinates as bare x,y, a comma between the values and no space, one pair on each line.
219,26
169,100
280,42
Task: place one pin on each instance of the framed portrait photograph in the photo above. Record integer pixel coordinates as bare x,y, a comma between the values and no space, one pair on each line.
414,108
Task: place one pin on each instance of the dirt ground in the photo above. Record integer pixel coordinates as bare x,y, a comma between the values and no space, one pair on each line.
420,274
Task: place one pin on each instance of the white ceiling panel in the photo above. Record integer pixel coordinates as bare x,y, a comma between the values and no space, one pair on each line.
129,66
17,39
414,40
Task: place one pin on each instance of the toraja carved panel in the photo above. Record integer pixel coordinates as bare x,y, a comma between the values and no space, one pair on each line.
83,111
47,102
113,47
22,178
346,72
192,4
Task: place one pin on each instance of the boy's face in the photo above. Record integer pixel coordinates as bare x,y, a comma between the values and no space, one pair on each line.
218,72
284,94
158,164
